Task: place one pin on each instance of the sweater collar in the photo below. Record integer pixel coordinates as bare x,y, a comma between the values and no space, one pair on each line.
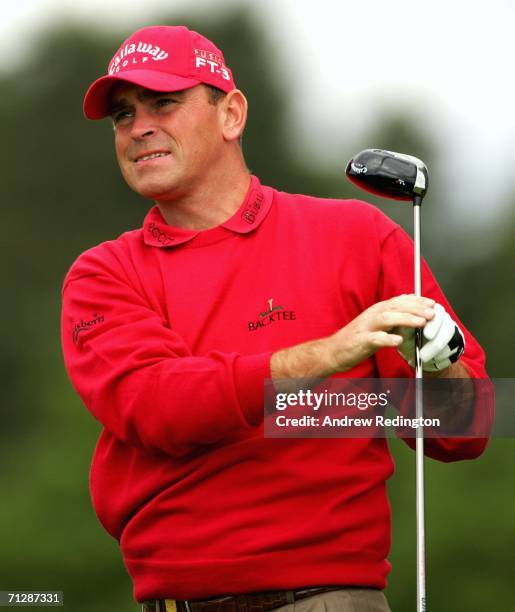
254,208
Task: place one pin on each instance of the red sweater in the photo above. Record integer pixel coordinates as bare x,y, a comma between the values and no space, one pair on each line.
164,342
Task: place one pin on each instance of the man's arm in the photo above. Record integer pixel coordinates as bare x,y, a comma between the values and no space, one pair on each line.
372,330
140,379
142,382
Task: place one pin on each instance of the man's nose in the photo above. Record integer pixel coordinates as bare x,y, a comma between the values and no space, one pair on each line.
143,125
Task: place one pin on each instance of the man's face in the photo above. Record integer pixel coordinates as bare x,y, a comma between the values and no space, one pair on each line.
165,142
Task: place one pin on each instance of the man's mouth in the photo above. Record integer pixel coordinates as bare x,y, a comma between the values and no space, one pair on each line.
151,156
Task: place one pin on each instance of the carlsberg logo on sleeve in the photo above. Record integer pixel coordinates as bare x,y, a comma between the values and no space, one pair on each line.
150,52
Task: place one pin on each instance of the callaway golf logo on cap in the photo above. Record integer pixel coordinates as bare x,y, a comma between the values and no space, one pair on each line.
160,58
146,50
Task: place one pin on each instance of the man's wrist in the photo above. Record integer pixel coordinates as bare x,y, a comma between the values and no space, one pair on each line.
313,359
455,370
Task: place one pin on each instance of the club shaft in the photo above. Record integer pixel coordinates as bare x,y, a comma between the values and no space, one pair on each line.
419,449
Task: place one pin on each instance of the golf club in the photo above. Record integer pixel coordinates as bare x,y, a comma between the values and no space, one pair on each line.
402,177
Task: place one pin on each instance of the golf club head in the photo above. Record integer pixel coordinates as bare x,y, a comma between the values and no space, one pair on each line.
387,174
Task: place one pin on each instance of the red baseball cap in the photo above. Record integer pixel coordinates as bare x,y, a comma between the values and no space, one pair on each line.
161,58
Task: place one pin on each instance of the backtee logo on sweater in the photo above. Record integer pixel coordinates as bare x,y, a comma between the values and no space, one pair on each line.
271,315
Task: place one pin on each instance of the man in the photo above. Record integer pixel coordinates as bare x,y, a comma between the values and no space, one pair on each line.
170,331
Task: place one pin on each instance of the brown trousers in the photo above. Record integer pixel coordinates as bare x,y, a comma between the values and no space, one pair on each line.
344,600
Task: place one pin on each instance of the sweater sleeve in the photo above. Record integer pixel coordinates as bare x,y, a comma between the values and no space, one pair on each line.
396,279
139,378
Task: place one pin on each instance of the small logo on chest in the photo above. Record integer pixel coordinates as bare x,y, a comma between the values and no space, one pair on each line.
272,315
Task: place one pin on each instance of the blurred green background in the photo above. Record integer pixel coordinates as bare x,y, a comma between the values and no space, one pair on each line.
61,193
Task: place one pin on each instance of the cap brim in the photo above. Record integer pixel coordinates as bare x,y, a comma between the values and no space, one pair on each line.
96,100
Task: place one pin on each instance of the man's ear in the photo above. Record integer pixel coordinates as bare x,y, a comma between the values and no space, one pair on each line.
234,114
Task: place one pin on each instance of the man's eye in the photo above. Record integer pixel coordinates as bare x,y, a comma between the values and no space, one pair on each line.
164,101
120,116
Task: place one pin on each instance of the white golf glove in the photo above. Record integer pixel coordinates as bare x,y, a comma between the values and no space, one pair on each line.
443,342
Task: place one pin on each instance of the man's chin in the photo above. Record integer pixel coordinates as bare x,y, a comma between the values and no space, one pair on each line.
155,192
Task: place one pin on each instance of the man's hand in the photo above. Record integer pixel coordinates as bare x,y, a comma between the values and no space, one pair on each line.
442,345
375,328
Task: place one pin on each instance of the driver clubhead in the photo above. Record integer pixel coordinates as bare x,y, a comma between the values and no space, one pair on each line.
387,174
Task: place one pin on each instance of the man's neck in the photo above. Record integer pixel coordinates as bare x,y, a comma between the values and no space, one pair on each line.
210,205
